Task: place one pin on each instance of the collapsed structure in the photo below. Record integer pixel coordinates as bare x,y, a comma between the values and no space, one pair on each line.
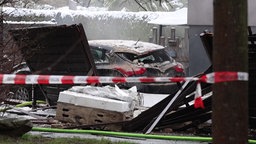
179,115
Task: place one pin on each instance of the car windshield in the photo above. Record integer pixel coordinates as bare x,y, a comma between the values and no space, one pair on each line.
151,57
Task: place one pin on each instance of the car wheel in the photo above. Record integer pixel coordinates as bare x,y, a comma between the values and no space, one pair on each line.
22,93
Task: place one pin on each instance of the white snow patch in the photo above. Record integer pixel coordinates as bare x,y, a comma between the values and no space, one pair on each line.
26,12
179,16
31,22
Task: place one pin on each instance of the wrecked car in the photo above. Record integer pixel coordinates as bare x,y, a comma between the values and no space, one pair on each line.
127,58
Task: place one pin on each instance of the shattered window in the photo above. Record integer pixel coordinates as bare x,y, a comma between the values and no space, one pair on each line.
99,55
152,57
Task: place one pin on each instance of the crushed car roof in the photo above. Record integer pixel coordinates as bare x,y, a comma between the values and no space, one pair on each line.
131,46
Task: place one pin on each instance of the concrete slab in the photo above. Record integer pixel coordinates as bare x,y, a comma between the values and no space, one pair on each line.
86,100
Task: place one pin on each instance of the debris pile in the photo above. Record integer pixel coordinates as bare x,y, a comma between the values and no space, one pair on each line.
111,108
91,105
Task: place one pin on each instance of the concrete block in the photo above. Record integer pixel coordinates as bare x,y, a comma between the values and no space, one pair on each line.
80,99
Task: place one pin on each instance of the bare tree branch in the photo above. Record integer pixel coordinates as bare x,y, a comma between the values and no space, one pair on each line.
140,5
3,2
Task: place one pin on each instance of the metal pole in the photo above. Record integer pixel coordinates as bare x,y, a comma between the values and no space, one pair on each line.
162,41
33,98
160,33
154,33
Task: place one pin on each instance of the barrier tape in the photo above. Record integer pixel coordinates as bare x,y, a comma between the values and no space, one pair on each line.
214,77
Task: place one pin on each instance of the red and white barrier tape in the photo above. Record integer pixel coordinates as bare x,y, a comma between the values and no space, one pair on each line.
217,77
214,77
